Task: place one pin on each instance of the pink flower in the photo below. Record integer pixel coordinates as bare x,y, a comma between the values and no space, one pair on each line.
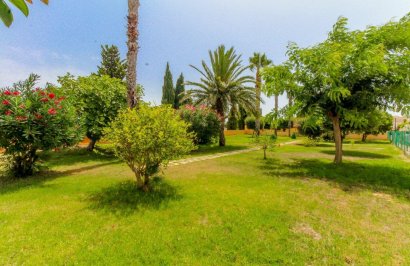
5,102
21,118
8,112
7,92
52,111
44,100
38,116
16,93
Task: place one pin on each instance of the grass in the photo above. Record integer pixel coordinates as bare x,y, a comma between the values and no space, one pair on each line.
296,208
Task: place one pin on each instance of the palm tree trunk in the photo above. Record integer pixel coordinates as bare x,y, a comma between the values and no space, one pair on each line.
221,114
258,102
132,43
276,112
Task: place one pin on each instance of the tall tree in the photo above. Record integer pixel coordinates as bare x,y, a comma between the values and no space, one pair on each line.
111,63
354,72
258,61
179,91
5,12
224,84
278,79
132,55
168,91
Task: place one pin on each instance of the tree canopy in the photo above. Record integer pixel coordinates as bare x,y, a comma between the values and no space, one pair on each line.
5,12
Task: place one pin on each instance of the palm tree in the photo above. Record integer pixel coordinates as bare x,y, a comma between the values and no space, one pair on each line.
258,61
132,43
223,84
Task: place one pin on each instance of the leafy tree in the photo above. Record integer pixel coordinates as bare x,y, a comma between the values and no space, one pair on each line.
168,91
149,138
377,122
203,122
132,54
97,99
241,118
35,119
265,142
257,62
353,72
5,12
111,64
278,79
232,121
223,85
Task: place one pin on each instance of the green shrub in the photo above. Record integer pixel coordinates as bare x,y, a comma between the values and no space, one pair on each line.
293,136
265,142
35,119
232,123
250,122
98,100
311,142
203,122
147,138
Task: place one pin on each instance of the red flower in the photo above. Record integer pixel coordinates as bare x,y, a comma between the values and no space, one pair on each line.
42,93
16,93
38,116
51,95
8,112
52,111
5,102
44,100
7,92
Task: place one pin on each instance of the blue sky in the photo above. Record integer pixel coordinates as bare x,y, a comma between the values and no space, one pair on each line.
66,35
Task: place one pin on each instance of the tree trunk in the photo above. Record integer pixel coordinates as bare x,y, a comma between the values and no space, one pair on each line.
264,154
258,102
338,139
276,112
132,55
221,113
290,103
23,164
91,145
364,137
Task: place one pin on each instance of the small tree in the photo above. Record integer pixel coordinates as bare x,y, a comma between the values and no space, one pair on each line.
265,142
168,91
35,119
98,101
179,92
111,63
148,138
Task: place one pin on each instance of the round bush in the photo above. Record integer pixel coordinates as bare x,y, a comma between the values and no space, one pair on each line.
203,122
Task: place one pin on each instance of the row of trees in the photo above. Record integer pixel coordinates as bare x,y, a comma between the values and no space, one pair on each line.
173,95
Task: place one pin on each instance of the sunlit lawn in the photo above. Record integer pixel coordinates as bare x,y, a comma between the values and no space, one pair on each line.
294,208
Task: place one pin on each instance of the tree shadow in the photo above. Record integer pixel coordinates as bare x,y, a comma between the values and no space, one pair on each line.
213,149
12,184
125,199
360,154
349,176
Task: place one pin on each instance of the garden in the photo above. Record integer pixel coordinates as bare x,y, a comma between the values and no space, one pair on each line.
90,173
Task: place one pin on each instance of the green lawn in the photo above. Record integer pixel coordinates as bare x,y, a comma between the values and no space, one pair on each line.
296,208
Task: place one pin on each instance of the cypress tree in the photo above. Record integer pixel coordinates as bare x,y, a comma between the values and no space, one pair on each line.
168,91
111,63
179,91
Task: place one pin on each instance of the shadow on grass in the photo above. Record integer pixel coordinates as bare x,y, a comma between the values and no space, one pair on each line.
360,154
125,199
11,184
349,176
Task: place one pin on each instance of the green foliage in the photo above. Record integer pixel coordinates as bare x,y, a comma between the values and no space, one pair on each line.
232,122
111,63
149,137
353,73
5,12
293,136
250,122
224,85
168,91
203,123
180,92
35,119
98,100
265,142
